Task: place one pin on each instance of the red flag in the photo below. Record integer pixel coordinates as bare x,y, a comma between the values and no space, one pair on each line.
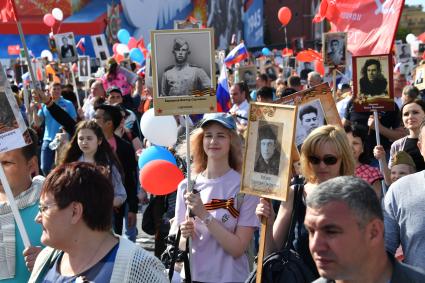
13,49
141,46
7,11
371,24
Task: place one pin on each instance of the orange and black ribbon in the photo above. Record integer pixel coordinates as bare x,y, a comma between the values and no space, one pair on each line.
223,203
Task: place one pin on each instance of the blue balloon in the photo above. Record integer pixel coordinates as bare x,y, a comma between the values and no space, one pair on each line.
136,55
266,51
155,152
123,36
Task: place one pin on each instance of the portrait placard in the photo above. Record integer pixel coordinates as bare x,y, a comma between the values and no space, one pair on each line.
334,46
403,54
84,68
268,153
248,75
183,71
316,107
65,47
373,83
100,48
419,81
13,131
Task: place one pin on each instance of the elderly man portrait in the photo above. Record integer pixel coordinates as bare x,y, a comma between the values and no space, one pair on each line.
373,82
269,157
182,78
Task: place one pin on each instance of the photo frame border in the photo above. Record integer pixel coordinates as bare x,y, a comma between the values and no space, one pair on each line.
184,105
379,103
420,86
58,37
280,190
325,39
84,78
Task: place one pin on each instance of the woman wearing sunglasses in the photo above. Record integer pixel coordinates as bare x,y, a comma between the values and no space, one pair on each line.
325,154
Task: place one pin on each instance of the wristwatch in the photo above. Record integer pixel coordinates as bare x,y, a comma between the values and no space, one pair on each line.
207,219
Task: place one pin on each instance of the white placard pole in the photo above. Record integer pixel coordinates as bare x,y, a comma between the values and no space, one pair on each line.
75,84
14,207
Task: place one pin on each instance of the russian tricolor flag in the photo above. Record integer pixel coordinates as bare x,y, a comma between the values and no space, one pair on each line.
238,54
223,93
82,45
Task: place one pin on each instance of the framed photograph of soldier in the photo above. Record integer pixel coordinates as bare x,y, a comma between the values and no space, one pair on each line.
334,49
248,74
316,107
406,68
65,47
304,68
266,172
183,71
419,80
187,24
403,54
100,48
12,125
84,68
373,83
271,71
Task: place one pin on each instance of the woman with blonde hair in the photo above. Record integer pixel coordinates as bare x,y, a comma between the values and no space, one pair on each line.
221,228
325,154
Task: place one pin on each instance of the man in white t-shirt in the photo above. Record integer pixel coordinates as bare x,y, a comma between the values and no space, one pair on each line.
239,96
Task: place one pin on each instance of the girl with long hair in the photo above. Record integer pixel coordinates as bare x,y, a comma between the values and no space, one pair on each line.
221,228
89,145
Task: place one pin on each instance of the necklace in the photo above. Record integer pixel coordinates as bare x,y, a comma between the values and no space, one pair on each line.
81,269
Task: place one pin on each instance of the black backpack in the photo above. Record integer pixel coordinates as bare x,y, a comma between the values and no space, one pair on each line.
286,266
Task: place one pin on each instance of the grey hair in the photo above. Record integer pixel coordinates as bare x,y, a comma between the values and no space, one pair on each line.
315,76
355,192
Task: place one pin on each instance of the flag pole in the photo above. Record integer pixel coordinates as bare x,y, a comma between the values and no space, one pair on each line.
24,44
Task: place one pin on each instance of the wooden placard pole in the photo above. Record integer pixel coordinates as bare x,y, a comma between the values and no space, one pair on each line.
334,88
261,248
14,208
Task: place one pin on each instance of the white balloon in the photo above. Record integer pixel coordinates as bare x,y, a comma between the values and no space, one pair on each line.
122,49
159,130
57,14
410,38
47,54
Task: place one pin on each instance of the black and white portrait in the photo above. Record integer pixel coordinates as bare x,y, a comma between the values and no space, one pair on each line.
268,148
100,47
183,63
420,77
225,16
334,45
304,69
403,53
84,67
373,81
309,117
65,44
248,75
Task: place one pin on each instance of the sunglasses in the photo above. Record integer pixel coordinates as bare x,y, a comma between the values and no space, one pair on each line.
328,160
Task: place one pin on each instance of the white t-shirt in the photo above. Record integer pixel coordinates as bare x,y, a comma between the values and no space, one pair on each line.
210,262
241,110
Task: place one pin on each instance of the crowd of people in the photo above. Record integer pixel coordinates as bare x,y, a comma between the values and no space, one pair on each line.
79,195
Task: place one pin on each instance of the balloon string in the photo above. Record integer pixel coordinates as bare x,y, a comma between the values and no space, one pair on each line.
286,39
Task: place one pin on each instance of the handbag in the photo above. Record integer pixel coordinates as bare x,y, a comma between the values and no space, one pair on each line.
286,265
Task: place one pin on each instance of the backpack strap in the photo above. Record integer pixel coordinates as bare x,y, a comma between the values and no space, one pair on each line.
298,192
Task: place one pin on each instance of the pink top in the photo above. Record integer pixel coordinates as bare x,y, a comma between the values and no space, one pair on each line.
210,262
120,81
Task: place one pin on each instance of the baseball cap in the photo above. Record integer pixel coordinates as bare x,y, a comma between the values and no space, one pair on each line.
226,120
113,89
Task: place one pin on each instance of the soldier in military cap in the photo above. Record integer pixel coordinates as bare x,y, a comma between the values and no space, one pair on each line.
182,78
269,158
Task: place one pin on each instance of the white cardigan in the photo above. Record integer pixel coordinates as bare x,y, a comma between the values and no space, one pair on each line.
132,264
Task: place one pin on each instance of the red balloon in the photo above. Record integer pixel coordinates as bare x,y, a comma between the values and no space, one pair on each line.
160,177
284,15
49,20
132,43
